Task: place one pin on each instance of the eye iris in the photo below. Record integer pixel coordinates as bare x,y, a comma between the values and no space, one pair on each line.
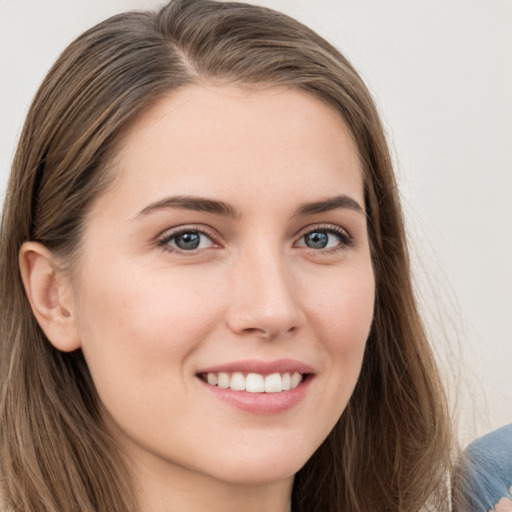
188,241
317,239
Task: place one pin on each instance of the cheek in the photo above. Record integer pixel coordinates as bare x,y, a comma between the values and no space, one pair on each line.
341,315
136,328
343,311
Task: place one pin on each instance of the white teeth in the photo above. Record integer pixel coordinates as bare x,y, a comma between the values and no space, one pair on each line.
212,379
273,383
223,380
255,382
296,380
286,382
237,381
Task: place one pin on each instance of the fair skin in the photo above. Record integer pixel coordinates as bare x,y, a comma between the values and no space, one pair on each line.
504,504
264,269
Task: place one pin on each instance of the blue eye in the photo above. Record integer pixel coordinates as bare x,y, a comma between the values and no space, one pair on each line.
319,239
187,240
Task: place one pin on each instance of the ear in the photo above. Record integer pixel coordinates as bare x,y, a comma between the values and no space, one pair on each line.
50,296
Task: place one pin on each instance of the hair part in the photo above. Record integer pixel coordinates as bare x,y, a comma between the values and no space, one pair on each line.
389,451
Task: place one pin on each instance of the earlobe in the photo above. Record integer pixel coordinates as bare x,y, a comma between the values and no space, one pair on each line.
50,296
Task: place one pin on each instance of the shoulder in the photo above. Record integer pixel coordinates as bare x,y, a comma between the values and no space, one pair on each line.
486,471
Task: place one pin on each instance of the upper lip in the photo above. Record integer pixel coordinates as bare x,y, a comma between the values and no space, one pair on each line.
261,367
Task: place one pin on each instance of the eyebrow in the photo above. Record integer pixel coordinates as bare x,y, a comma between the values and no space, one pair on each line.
224,209
199,204
326,205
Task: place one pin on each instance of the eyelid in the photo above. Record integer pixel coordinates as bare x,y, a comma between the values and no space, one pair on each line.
164,237
162,240
346,238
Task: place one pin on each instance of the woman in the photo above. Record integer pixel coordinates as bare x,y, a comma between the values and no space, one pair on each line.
207,302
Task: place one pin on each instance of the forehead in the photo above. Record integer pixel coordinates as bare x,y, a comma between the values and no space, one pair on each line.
202,139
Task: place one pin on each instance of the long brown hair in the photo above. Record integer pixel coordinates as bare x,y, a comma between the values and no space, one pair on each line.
390,450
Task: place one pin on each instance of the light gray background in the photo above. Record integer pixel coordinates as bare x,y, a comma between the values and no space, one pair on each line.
441,72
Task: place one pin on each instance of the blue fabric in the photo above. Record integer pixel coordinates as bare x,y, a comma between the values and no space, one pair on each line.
487,469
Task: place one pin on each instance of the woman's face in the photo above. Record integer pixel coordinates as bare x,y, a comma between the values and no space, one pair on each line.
231,252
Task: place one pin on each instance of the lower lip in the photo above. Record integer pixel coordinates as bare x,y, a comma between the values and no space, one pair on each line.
262,403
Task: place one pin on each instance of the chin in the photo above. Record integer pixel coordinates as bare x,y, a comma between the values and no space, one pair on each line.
263,468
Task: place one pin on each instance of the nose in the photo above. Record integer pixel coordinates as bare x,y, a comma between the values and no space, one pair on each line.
263,297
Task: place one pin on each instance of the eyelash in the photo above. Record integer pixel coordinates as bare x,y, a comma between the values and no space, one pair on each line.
346,240
163,242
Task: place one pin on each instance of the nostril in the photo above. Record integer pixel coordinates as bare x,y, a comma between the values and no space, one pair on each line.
267,333
252,330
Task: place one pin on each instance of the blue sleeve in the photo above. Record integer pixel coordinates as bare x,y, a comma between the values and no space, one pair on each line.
487,470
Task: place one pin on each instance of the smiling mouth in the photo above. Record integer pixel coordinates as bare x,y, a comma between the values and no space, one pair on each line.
254,382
